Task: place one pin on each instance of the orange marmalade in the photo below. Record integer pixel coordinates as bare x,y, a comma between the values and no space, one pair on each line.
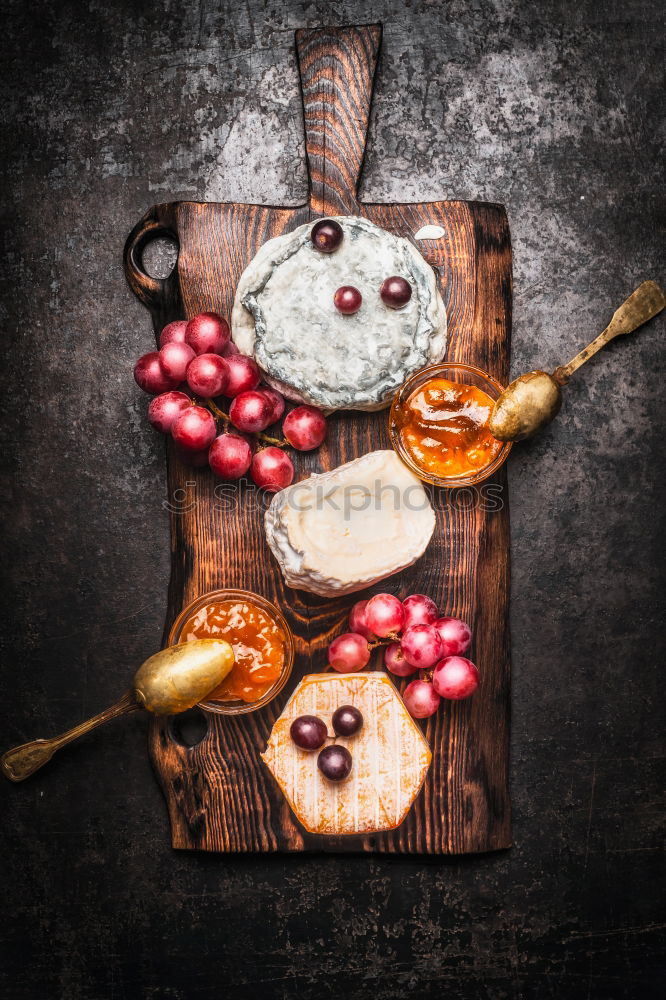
443,427
258,642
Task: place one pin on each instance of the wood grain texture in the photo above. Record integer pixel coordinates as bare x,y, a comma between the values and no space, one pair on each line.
219,794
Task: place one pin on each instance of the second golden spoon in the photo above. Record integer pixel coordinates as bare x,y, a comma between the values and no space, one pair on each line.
533,400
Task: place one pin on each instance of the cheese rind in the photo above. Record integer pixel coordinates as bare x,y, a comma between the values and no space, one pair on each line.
343,530
390,756
284,317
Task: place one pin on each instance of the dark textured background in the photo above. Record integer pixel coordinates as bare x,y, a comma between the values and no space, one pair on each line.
553,109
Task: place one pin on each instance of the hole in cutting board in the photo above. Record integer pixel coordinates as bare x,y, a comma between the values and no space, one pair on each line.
159,256
189,728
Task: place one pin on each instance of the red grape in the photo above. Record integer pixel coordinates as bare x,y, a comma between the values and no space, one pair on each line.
455,634
276,400
174,359
308,732
347,721
251,411
194,429
304,428
421,645
395,292
242,375
349,652
358,621
272,469
197,459
230,456
420,698
174,333
229,349
385,615
207,375
151,377
326,235
207,333
347,300
165,408
394,660
419,610
455,677
335,762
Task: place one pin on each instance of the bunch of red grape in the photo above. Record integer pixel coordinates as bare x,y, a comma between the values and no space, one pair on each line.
198,357
418,639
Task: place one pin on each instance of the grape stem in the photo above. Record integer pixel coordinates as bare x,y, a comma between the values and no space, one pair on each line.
226,419
393,637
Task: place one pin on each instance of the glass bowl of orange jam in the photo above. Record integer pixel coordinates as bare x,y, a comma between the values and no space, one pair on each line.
262,641
439,425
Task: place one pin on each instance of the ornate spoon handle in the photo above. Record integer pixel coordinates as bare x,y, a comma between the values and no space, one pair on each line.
21,762
642,305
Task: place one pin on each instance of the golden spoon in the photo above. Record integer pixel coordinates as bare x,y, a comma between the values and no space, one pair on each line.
534,399
167,683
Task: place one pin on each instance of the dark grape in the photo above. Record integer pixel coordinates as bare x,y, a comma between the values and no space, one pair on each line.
395,292
335,762
347,721
308,732
347,300
326,235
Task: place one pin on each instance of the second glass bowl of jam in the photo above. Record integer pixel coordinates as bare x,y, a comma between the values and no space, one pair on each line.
439,425
261,639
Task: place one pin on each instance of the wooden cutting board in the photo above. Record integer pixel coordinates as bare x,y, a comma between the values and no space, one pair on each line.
219,794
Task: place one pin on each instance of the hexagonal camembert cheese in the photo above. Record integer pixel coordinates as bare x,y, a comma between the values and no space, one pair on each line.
390,756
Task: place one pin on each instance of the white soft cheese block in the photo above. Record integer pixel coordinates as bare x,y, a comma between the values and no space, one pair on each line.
284,317
390,757
343,530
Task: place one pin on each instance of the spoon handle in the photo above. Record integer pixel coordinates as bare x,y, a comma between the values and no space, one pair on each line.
642,305
20,762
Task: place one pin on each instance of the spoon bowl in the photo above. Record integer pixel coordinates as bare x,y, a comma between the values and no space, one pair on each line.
529,403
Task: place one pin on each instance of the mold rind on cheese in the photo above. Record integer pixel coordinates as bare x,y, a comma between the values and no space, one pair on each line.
284,317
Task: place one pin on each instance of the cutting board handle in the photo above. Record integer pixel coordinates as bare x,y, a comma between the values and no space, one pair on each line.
337,68
155,293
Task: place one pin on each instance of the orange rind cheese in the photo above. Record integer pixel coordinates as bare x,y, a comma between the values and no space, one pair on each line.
390,756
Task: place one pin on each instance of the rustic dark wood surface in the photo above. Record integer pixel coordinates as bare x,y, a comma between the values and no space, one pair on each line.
220,795
550,109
